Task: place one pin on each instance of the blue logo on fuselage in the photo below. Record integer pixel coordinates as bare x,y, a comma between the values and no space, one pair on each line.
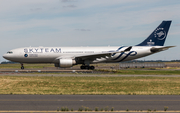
25,55
131,53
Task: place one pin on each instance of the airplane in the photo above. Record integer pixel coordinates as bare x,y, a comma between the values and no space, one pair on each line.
65,57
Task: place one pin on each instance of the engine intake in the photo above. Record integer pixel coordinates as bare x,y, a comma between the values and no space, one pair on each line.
65,63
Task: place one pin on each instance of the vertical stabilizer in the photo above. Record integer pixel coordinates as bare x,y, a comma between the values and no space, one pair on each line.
158,36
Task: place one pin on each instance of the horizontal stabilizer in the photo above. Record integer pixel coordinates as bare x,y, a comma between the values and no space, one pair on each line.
157,49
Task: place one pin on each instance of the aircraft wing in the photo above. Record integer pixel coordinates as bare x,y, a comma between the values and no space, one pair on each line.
95,55
90,56
157,49
100,55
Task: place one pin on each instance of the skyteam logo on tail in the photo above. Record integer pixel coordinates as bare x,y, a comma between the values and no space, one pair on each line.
150,43
160,33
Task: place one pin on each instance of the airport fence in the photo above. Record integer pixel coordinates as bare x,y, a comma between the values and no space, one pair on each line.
141,65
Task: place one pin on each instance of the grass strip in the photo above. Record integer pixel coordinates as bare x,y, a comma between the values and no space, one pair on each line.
90,85
143,72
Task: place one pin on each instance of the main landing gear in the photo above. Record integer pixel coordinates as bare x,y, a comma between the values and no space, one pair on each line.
22,67
87,67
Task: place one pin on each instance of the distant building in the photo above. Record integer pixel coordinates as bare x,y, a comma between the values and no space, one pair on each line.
8,62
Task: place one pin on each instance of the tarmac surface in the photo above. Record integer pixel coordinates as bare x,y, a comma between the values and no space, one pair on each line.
118,102
80,75
11,72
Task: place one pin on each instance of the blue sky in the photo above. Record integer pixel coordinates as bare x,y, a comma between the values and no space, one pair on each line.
26,23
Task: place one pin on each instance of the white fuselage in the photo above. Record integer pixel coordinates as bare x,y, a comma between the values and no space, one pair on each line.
69,56
52,54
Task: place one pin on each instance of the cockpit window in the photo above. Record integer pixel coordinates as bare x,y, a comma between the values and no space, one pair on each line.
9,52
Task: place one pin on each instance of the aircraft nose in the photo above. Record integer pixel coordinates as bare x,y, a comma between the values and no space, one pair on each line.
5,56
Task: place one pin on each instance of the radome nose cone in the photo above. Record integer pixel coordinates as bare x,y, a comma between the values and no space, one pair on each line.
5,56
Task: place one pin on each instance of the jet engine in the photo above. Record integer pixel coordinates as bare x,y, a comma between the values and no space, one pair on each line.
65,63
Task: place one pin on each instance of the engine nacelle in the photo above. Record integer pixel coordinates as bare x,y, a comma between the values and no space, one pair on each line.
65,63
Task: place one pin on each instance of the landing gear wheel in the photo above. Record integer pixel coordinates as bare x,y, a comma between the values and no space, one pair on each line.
82,67
92,67
22,67
87,67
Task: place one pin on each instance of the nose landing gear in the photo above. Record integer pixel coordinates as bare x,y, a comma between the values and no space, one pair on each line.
22,67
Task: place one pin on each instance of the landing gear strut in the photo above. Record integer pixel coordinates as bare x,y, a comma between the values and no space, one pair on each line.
22,67
87,67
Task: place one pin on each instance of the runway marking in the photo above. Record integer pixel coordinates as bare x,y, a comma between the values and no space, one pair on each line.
85,100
